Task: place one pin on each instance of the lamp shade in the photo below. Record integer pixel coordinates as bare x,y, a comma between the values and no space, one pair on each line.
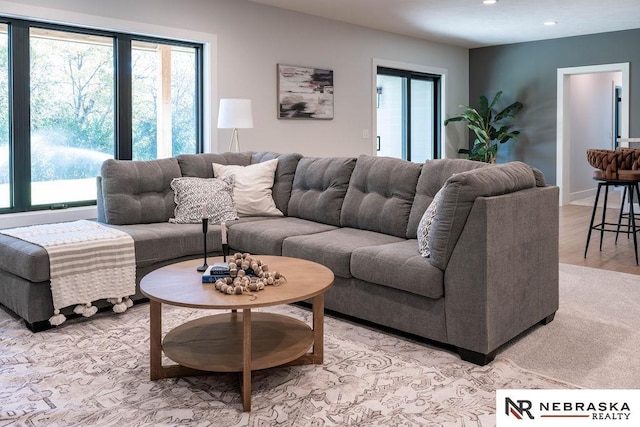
235,113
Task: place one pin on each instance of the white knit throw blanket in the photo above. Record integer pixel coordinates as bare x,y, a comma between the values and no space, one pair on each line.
87,262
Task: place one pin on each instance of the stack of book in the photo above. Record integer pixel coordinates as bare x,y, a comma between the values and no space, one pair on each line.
218,270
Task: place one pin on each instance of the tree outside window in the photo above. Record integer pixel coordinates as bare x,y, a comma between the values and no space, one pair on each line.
73,105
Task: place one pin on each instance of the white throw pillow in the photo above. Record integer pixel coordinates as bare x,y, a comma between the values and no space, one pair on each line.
201,197
425,225
252,190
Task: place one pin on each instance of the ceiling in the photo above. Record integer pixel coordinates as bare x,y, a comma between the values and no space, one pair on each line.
469,23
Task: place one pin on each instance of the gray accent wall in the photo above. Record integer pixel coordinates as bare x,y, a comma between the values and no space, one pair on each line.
527,72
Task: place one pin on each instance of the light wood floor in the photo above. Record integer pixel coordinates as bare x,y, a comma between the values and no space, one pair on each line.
574,225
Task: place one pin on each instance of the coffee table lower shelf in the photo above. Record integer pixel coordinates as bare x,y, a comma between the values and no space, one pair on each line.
215,343
236,342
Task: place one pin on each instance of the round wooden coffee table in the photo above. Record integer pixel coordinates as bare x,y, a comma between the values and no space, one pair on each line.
236,341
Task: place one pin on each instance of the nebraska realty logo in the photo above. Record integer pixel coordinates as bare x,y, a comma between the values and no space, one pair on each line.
567,408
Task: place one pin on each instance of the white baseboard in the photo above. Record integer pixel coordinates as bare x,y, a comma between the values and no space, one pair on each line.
577,195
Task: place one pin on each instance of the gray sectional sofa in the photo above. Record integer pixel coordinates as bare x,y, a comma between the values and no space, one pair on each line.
492,274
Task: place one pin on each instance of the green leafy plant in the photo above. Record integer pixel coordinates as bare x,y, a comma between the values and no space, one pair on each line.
490,127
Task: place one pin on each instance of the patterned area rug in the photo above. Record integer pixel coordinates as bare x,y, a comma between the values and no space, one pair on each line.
95,373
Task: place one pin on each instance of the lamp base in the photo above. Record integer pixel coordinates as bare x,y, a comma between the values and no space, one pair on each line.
235,140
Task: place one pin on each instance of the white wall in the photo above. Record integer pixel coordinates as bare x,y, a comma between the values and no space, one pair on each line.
251,39
591,104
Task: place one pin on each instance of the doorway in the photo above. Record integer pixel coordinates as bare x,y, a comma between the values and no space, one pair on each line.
407,114
418,136
565,158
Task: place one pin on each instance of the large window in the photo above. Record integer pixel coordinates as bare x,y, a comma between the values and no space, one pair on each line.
163,95
407,114
72,98
72,114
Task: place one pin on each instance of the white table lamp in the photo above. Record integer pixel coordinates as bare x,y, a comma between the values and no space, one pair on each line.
235,114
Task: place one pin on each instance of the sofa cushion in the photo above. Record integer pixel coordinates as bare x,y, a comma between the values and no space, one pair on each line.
198,198
138,192
167,242
285,172
432,177
156,243
397,265
459,194
199,165
319,188
380,195
265,236
252,187
334,248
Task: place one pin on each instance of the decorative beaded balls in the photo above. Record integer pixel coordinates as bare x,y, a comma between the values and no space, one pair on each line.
248,274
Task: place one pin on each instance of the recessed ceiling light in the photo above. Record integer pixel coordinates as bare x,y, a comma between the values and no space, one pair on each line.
489,1
550,23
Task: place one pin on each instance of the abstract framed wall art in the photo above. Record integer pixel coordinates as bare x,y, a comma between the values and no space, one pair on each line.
305,93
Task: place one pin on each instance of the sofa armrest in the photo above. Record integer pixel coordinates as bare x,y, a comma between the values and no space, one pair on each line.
459,194
502,277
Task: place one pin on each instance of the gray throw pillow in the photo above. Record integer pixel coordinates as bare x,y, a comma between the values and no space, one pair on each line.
425,225
198,198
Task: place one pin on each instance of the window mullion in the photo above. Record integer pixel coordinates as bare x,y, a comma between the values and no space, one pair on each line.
20,130
123,98
437,119
199,96
163,114
409,109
